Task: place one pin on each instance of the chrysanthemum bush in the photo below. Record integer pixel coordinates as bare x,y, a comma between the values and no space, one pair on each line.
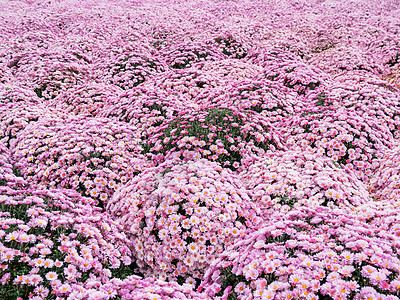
280,181
92,156
384,214
385,182
87,99
352,141
9,175
231,45
220,134
146,108
136,288
309,253
232,69
191,84
53,242
129,66
270,99
287,69
367,95
5,74
48,73
12,93
180,55
16,116
182,215
296,75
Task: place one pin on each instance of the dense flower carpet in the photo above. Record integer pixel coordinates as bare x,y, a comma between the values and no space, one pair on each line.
214,149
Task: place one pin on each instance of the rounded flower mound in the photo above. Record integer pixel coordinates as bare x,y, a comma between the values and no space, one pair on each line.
269,99
129,66
368,96
87,99
5,74
53,241
188,85
385,182
182,216
383,214
146,109
285,179
48,73
231,45
11,94
9,175
352,141
345,58
186,54
289,70
232,69
16,116
219,134
92,156
309,253
134,287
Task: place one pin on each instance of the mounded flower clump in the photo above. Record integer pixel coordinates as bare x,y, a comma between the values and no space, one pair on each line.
135,287
232,69
309,253
182,215
16,116
188,85
87,99
367,95
288,70
284,180
53,242
92,156
129,67
48,73
9,175
352,141
146,108
385,183
384,186
219,134
270,99
13,93
186,54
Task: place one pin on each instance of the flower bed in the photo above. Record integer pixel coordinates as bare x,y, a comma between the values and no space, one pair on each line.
246,148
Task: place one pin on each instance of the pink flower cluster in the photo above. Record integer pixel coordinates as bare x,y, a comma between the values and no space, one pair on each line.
16,116
53,242
93,156
226,135
136,288
87,99
129,66
181,216
7,170
50,73
309,253
351,140
283,180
